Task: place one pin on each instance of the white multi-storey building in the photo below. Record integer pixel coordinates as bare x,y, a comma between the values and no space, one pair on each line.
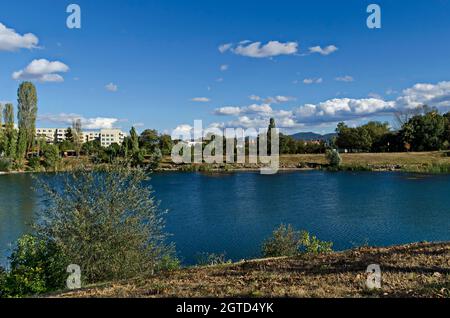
111,136
106,136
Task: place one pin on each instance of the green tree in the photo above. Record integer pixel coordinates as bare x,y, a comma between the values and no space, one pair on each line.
27,112
149,140
51,157
10,134
21,148
69,134
165,144
107,222
134,141
425,132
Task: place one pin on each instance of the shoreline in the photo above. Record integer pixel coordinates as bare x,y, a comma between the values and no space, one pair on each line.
410,270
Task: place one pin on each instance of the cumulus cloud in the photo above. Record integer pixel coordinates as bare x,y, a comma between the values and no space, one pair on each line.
323,51
42,70
111,87
10,40
346,78
308,81
224,67
435,95
329,112
200,99
341,109
260,50
86,123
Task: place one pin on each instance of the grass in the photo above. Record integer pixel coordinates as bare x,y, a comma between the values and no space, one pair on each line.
414,270
429,162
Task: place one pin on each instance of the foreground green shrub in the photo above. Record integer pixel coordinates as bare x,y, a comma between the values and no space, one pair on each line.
37,267
107,222
286,241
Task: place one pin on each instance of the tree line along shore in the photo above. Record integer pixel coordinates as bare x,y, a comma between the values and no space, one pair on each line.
419,143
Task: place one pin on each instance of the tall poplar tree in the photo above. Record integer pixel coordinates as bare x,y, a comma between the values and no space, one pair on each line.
10,140
27,112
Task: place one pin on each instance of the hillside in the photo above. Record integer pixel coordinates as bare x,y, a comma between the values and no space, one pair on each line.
414,270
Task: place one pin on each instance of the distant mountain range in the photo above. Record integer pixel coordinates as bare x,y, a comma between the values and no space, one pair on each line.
312,136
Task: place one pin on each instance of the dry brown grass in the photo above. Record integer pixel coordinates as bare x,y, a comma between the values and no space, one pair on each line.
371,161
376,159
415,270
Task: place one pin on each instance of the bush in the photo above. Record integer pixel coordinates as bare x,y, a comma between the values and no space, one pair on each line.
333,158
34,163
107,222
5,164
37,267
285,241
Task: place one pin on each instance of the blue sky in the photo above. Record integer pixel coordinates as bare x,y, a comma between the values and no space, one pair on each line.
162,61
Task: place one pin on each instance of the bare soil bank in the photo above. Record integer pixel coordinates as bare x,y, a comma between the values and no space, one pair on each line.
414,270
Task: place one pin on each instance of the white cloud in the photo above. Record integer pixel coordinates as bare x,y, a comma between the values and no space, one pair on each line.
228,110
272,100
224,67
111,87
435,95
323,51
225,47
200,99
259,50
374,95
86,123
308,81
42,70
331,111
346,78
10,40
341,109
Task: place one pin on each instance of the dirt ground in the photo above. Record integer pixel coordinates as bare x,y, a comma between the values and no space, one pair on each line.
414,270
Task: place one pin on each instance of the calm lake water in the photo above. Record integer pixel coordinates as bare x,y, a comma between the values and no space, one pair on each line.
234,213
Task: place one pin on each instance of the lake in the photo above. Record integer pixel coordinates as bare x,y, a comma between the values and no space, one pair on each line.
233,213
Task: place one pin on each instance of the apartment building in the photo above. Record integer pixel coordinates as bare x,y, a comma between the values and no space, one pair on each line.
110,136
105,136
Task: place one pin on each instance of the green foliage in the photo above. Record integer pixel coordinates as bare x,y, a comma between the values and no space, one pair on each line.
333,158
149,140
37,266
165,144
5,164
107,222
288,145
27,112
51,157
286,241
91,148
34,163
425,132
21,146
